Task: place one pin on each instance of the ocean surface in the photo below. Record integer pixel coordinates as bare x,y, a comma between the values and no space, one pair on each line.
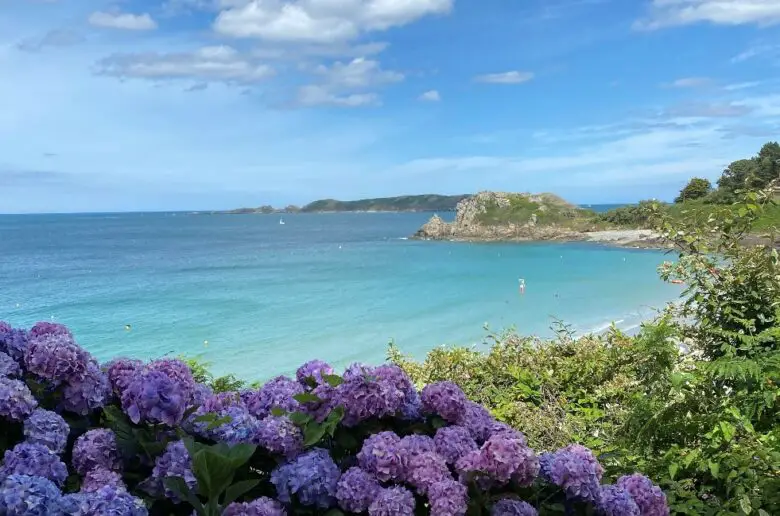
257,298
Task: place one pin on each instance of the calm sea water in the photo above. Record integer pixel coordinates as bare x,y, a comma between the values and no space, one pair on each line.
258,298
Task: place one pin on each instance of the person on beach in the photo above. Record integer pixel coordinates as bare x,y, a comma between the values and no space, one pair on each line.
522,285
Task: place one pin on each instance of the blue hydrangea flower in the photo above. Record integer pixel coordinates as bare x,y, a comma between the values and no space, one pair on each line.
311,477
25,495
107,500
356,490
47,428
8,366
35,460
313,370
239,426
615,501
174,462
86,394
279,435
260,507
96,448
279,393
393,501
16,400
510,507
99,477
448,498
576,471
453,442
55,357
152,396
647,496
445,399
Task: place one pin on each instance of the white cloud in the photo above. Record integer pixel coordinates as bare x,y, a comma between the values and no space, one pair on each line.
345,84
756,51
321,21
207,64
317,95
124,21
513,77
287,51
430,96
691,82
668,13
742,85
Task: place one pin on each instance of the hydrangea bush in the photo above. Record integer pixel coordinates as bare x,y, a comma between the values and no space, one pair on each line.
133,438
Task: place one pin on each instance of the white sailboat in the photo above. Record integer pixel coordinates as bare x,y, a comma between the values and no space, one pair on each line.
281,220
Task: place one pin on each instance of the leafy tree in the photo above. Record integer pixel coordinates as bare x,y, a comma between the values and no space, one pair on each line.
695,189
735,176
767,167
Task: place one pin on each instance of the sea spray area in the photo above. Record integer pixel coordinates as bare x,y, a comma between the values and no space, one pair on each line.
257,298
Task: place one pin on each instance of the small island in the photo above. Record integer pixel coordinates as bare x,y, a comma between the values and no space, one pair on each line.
403,203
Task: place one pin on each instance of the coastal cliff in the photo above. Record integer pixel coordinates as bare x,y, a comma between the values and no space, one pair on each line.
502,216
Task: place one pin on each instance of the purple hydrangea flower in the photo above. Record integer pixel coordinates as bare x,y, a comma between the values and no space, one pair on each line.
279,393
445,399
44,328
381,456
260,507
313,370
411,409
576,471
242,426
453,442
174,462
87,394
16,400
416,444
312,477
478,421
13,341
279,435
356,490
47,428
501,459
319,410
108,500
96,448
36,460
365,396
425,469
120,373
393,501
448,498
55,357
154,397
648,497
502,428
509,507
405,398
201,392
178,371
615,501
8,366
26,495
99,477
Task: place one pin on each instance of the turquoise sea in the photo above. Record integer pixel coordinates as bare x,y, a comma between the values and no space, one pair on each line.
258,298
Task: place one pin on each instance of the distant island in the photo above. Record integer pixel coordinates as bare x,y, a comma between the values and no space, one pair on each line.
403,203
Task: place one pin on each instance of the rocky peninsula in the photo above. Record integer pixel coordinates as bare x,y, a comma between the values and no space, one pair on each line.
524,217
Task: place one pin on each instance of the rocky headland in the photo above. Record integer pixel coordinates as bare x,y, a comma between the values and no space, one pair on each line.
519,217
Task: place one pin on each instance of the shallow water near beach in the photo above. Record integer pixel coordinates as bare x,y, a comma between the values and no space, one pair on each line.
258,298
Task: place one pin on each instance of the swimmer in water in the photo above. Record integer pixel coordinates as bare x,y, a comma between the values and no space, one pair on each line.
522,285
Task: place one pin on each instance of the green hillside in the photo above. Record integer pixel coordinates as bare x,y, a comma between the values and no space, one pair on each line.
429,202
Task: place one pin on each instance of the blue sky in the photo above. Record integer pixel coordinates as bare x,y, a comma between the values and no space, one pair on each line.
209,104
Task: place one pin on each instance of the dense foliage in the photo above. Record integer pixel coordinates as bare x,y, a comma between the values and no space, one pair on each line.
133,438
429,202
692,401
695,189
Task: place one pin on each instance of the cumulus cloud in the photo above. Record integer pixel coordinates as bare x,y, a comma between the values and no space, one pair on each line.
513,77
320,21
124,21
346,84
207,64
430,96
669,13
53,38
317,95
291,52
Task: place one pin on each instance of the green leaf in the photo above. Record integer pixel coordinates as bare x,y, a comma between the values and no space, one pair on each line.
213,471
180,487
313,433
762,512
333,380
673,467
278,412
240,454
307,397
299,418
728,430
714,468
745,505
334,512
238,489
126,439
438,422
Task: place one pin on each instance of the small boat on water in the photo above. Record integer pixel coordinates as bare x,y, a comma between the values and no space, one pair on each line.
281,221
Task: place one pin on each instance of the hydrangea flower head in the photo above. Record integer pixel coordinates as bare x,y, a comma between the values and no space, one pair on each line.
200,393
393,501
154,397
241,426
448,498
648,497
13,341
319,410
366,394
55,357
120,373
99,477
279,393
25,495
35,460
47,428
8,366
279,435
260,507
500,459
478,421
86,394
381,456
174,462
178,371
313,370
445,399
510,507
16,400
453,442
311,477
576,470
44,328
615,501
96,448
356,490
425,469
416,444
108,500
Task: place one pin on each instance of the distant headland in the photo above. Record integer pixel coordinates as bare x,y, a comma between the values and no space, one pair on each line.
403,203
